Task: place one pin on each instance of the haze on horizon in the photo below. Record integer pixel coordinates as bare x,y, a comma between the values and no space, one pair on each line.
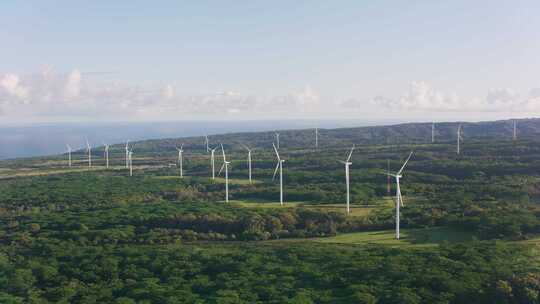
102,61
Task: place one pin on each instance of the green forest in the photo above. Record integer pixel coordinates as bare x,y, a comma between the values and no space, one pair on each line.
470,221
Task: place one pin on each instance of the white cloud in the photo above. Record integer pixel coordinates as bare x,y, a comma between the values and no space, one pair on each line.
422,97
48,94
72,88
168,92
10,86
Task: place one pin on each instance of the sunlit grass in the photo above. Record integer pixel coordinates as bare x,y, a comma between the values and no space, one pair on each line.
252,204
236,181
409,237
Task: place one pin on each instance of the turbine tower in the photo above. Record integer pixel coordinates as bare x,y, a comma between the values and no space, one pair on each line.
277,139
347,164
279,166
106,155
399,198
89,150
459,139
316,138
180,160
226,167
248,160
130,162
127,154
433,133
69,155
213,162
388,188
514,134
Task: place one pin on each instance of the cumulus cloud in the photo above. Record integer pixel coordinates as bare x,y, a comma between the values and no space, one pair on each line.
168,92
73,94
421,96
10,86
76,94
72,88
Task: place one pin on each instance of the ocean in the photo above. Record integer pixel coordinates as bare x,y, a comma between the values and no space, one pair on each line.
48,139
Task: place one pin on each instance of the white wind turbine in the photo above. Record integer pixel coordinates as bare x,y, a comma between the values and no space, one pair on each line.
459,139
347,164
226,167
130,162
316,138
279,166
180,159
127,154
213,162
432,132
89,150
69,154
106,152
277,139
249,161
514,134
399,198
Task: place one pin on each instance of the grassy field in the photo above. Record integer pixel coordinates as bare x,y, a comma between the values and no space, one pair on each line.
409,237
252,204
236,181
355,210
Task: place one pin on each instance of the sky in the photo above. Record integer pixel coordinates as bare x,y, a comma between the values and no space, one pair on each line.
98,61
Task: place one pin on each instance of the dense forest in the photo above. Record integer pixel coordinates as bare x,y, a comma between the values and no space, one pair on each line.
97,235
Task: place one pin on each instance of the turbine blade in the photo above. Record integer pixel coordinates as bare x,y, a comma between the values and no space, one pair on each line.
223,152
275,171
275,149
403,167
221,169
350,154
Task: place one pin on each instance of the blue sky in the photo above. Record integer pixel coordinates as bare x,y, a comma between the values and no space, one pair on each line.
309,59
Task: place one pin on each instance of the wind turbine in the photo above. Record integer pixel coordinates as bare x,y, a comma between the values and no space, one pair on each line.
432,132
226,166
459,139
127,154
399,198
277,139
106,155
207,143
514,135
388,177
213,162
347,164
279,166
249,160
180,160
130,162
316,138
69,155
89,150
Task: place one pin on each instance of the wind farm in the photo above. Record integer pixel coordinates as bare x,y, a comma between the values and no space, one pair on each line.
312,186
267,152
